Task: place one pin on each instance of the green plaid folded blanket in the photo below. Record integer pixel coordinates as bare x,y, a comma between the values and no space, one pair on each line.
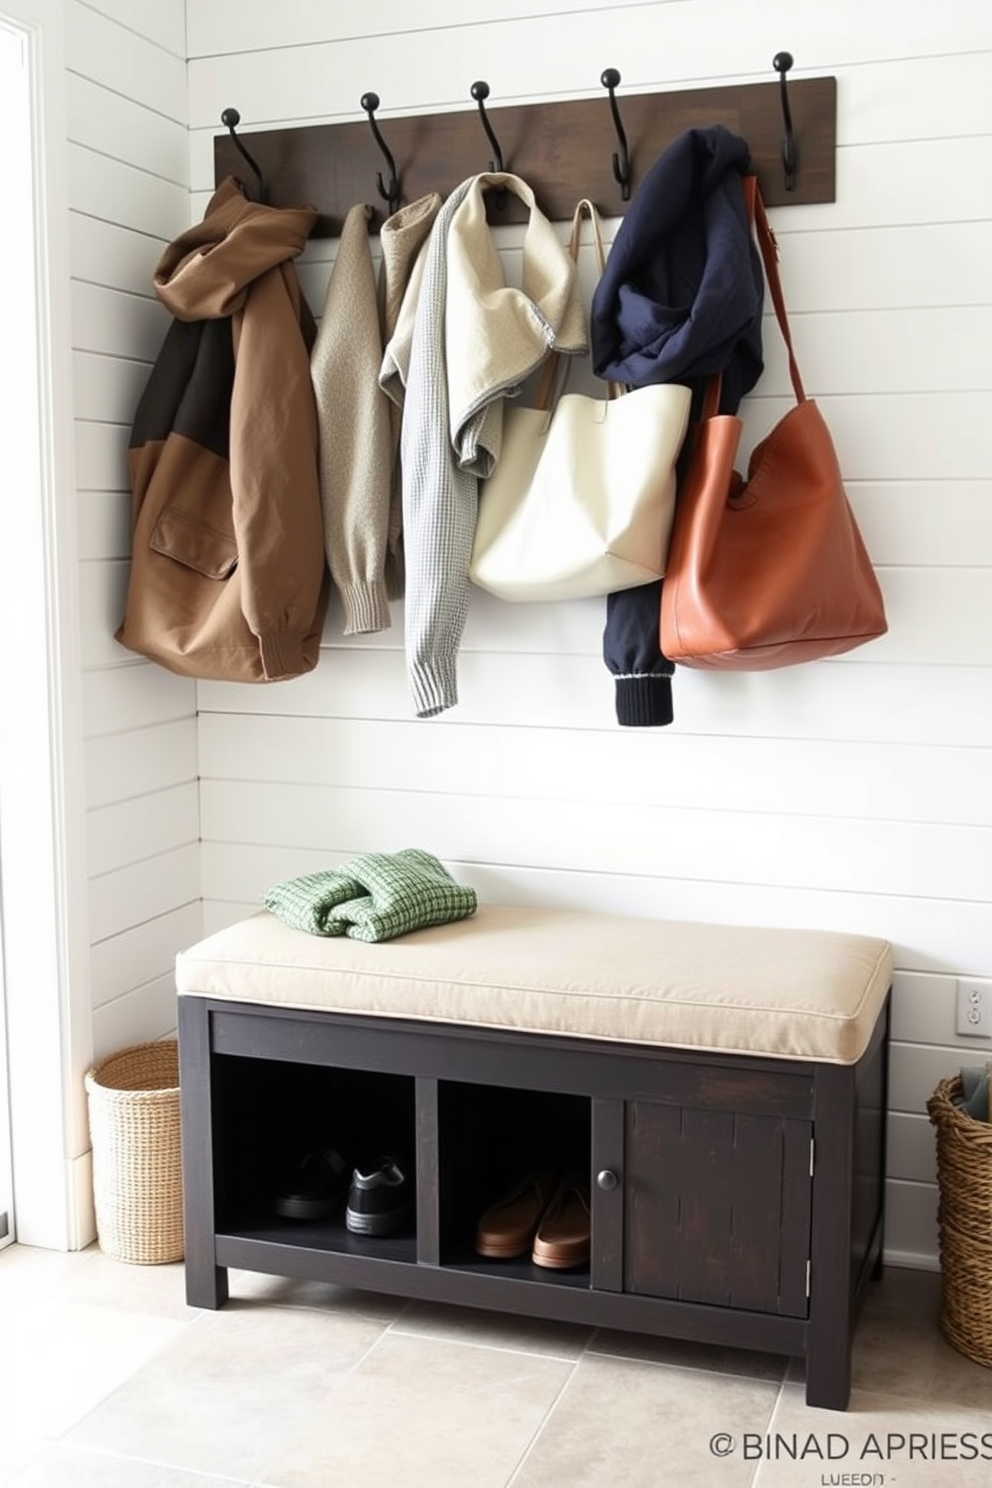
373,897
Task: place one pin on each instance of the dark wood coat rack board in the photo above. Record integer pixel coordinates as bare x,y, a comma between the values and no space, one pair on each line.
564,150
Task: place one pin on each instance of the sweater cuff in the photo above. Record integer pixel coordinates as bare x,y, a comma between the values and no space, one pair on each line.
366,608
645,700
434,686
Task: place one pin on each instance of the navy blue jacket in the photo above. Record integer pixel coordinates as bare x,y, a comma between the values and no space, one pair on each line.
680,299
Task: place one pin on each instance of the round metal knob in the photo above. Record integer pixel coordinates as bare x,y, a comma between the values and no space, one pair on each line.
607,1180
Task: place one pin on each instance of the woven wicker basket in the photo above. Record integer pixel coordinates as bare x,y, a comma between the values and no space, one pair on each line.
133,1099
964,1222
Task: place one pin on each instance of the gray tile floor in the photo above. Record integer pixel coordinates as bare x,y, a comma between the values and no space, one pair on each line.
108,1380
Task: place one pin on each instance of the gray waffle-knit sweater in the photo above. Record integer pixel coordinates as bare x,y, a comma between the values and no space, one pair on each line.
451,432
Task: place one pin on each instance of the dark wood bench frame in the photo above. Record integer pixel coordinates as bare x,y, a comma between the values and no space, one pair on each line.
684,1134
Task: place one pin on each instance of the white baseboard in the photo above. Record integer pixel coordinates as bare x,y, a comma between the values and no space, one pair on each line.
911,1260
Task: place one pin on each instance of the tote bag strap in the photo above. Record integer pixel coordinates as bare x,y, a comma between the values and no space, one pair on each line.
552,365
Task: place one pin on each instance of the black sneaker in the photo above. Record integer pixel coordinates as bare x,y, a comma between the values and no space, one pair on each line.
314,1186
380,1198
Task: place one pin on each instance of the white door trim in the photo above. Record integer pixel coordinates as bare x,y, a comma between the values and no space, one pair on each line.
42,800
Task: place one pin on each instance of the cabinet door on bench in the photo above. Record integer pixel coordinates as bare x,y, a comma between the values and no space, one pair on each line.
717,1206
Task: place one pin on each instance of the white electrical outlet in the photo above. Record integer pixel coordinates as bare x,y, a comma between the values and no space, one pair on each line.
974,1017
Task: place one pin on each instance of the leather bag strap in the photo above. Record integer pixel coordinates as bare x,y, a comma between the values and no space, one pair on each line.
769,257
768,246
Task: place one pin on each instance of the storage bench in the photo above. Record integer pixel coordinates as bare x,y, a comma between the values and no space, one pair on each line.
724,1087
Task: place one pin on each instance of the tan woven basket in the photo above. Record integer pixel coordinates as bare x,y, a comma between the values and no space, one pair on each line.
133,1099
964,1222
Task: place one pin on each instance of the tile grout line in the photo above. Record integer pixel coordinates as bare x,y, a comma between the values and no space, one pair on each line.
527,1451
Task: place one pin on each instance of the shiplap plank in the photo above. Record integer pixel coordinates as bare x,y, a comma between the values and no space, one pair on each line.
897,858
304,22
916,1069
104,524
927,935
835,779
133,830
143,891
910,1148
102,591
117,323
141,953
163,23
880,186
141,1014
125,196
828,700
104,386
111,255
101,454
923,1009
943,523
852,352
882,268
931,614
124,129
915,97
911,1224
100,49
135,697
140,761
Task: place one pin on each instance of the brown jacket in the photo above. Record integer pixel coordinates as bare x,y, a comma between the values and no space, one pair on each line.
228,577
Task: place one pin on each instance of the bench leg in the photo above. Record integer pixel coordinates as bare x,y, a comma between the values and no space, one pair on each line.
206,1282
206,1286
828,1364
831,1300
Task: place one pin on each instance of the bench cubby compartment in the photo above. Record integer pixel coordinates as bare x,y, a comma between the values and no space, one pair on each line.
489,1138
269,1113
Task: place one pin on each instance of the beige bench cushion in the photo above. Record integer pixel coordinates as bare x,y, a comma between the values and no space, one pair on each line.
792,994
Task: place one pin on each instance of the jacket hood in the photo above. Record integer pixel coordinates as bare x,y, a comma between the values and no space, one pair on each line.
681,295
206,272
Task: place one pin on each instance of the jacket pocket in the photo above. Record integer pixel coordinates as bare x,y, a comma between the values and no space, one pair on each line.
194,543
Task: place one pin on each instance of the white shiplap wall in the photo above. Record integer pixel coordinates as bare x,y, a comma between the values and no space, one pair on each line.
852,794
129,196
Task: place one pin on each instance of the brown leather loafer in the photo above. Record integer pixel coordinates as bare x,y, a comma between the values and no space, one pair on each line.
507,1227
563,1237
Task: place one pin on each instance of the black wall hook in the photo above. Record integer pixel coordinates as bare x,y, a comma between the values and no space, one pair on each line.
621,162
480,92
781,62
390,193
230,118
